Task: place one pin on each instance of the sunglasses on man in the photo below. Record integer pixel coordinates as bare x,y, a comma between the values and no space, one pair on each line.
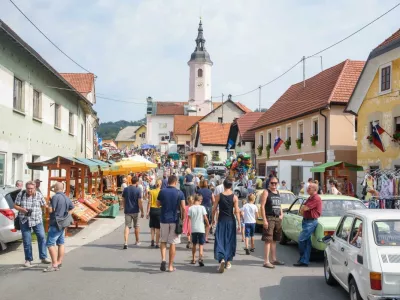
273,183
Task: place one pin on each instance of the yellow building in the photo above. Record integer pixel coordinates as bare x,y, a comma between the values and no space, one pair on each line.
376,100
131,137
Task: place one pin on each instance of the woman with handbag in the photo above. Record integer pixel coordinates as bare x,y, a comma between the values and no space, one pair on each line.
225,233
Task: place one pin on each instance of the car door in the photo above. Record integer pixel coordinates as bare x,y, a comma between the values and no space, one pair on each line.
289,222
340,248
354,253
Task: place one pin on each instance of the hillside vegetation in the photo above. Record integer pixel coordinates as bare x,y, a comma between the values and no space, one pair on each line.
109,130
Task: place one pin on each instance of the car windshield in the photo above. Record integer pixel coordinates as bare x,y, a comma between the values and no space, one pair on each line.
201,171
287,198
336,208
387,232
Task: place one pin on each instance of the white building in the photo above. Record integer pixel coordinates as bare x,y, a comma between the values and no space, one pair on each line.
42,114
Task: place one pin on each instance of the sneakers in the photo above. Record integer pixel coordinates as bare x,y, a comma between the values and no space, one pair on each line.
46,261
152,243
157,247
138,243
252,249
28,264
247,251
50,269
125,247
221,267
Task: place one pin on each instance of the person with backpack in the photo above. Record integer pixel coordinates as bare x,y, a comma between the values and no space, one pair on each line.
60,209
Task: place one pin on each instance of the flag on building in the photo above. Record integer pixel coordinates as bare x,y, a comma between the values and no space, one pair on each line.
379,129
376,138
277,144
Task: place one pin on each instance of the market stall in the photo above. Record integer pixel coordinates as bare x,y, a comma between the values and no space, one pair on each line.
197,159
340,171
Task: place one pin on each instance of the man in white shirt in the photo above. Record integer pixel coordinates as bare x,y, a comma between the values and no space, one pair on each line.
219,189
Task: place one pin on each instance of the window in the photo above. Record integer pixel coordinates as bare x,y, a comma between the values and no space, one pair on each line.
71,123
57,115
162,125
269,138
82,137
220,120
2,168
37,105
355,127
89,132
300,132
278,132
396,124
356,229
200,73
344,229
215,156
288,133
315,128
385,78
261,141
18,103
373,168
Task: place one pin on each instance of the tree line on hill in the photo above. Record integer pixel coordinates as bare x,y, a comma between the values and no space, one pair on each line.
109,130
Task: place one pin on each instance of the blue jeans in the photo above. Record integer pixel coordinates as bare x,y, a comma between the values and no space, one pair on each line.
309,227
27,240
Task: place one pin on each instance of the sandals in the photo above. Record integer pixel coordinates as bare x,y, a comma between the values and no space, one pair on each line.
278,263
228,265
268,265
221,267
193,262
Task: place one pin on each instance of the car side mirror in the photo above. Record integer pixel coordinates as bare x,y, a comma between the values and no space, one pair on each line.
326,239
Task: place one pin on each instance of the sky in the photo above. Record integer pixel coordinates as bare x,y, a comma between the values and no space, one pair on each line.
141,48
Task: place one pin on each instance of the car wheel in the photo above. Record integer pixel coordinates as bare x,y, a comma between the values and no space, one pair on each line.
284,240
353,290
237,193
330,280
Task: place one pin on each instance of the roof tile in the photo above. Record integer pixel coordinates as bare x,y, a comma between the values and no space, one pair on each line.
393,37
243,107
182,123
171,108
82,82
245,124
335,84
212,133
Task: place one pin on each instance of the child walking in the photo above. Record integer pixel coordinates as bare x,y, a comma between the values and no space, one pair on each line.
198,217
250,215
242,220
187,230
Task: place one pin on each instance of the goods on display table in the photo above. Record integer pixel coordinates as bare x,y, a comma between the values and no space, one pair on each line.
81,213
240,166
112,206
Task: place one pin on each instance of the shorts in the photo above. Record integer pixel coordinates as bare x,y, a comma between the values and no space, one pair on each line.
55,237
198,238
155,218
274,231
132,219
168,235
249,230
209,213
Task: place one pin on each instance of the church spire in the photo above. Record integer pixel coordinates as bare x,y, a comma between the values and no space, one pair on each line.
200,53
200,41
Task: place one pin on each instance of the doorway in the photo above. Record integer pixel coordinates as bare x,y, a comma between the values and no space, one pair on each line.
297,178
16,167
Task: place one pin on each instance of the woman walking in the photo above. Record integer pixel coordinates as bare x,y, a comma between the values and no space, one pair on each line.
153,213
208,201
189,184
225,234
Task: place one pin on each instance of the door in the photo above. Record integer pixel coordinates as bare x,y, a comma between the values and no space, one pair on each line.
291,221
297,177
355,255
340,249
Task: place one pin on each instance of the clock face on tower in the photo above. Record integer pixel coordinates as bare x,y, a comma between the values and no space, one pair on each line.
199,84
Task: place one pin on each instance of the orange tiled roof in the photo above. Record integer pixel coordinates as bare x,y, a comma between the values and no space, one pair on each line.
182,123
243,107
393,37
82,82
245,124
212,133
332,85
171,108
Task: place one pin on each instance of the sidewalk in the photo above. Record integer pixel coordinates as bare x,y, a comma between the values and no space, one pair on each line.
13,257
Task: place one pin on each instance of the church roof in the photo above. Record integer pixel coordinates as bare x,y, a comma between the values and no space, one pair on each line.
200,54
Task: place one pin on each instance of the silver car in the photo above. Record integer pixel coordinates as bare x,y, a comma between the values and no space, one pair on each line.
240,189
8,233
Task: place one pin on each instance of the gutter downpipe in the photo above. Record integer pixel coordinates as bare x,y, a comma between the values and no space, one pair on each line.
326,132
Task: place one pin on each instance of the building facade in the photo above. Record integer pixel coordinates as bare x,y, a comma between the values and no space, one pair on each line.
37,121
376,101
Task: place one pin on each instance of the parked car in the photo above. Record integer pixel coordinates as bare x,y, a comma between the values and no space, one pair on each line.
216,167
287,198
368,266
201,171
8,233
240,189
333,207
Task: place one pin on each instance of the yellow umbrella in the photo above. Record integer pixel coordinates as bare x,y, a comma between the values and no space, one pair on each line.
130,165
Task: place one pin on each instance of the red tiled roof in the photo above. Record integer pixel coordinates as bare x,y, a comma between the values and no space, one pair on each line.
82,82
393,37
182,123
213,133
171,108
243,107
216,105
335,84
245,124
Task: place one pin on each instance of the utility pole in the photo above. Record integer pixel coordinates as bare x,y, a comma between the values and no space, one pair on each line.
259,98
304,71
222,108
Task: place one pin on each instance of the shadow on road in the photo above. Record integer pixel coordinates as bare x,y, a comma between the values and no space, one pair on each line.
11,247
302,287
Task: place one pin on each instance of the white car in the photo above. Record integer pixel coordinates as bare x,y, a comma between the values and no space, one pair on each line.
8,233
363,255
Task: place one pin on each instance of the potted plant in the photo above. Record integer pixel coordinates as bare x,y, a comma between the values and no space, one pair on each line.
298,143
268,148
260,149
369,138
288,143
396,137
314,139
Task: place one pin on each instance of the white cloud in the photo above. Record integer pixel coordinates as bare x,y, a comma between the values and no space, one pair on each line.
141,48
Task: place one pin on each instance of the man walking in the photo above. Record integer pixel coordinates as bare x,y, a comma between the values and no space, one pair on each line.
19,184
272,215
171,201
311,211
29,203
37,182
132,204
60,207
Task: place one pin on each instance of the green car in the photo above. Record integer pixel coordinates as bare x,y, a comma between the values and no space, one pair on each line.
333,208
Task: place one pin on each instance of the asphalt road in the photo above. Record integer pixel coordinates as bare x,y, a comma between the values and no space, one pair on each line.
102,270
